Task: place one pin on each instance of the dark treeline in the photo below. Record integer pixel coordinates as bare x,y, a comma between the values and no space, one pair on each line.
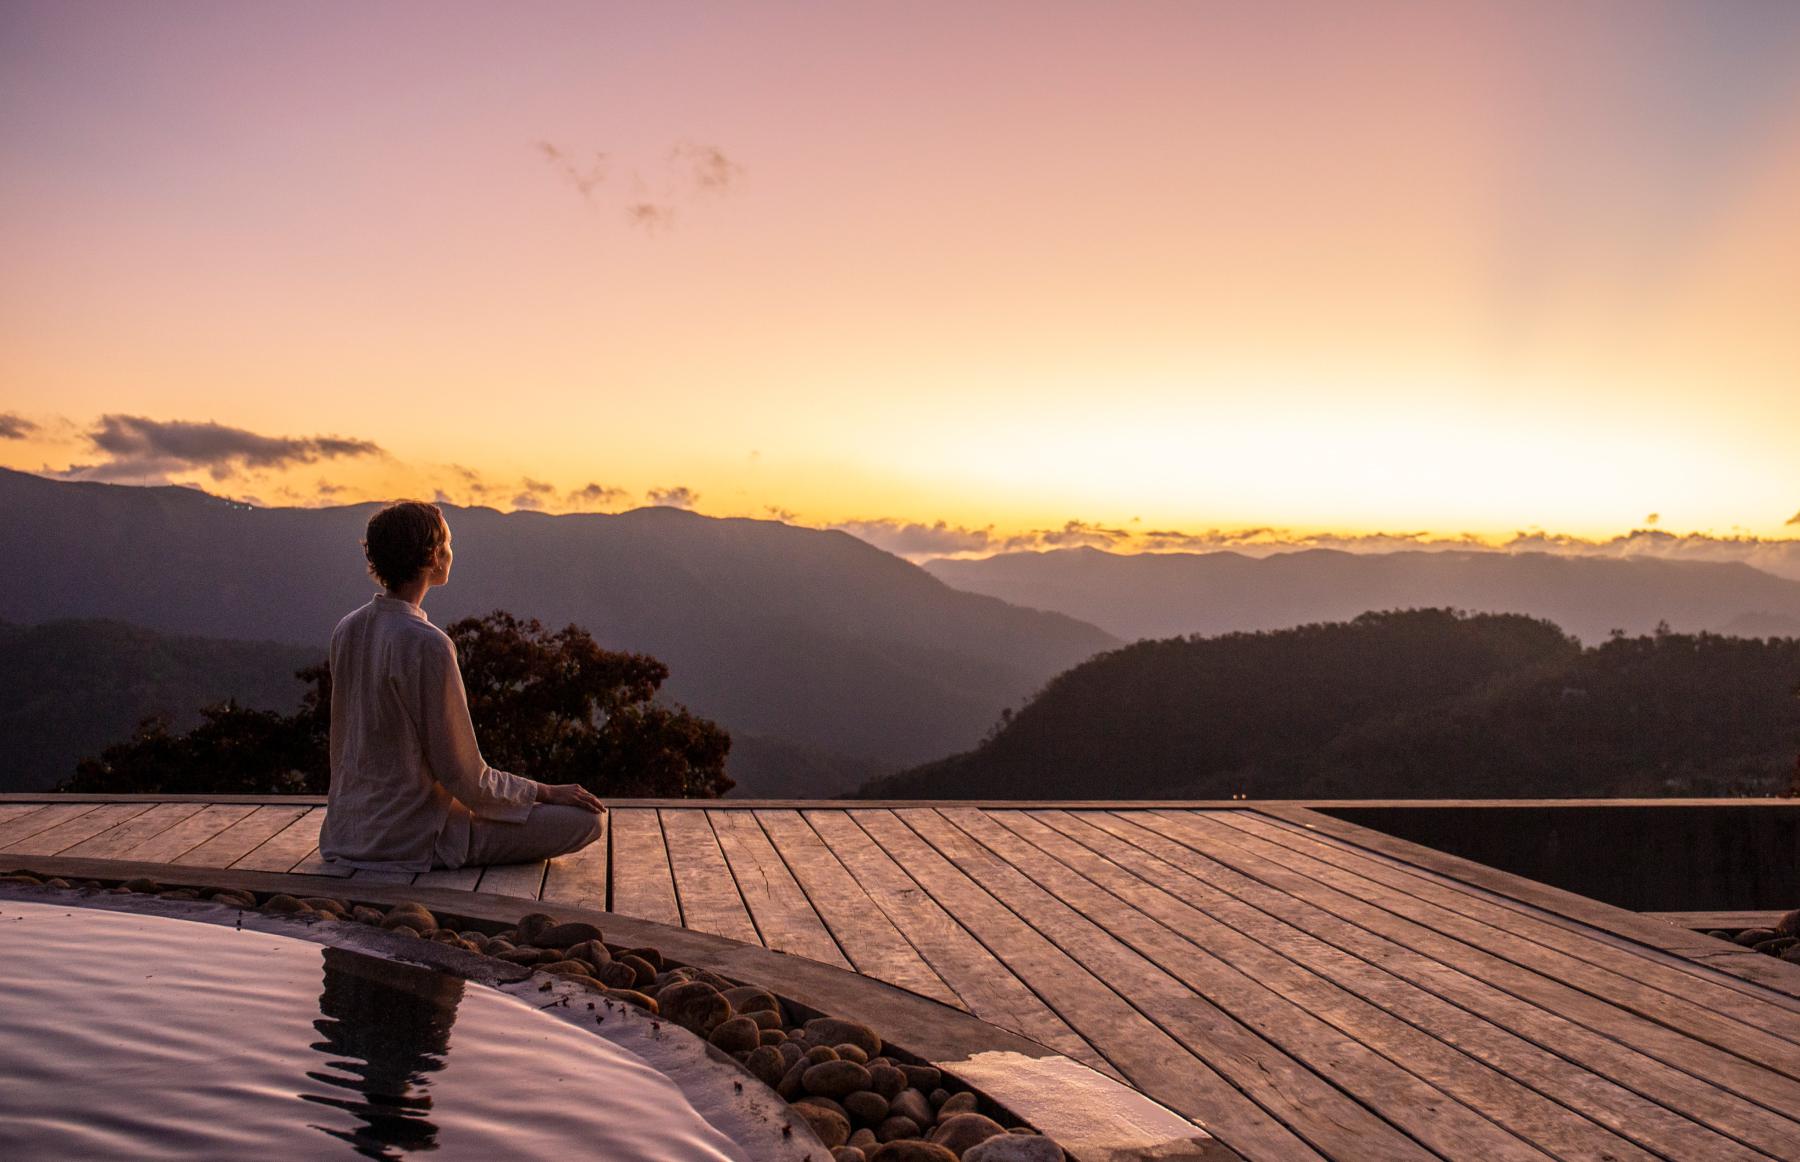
548,704
1415,704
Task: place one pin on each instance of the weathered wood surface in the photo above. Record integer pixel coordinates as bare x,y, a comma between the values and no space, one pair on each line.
1302,987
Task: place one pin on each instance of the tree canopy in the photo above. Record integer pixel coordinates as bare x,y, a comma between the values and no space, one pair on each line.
551,705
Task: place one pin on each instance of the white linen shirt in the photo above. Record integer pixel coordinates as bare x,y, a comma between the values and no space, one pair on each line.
406,773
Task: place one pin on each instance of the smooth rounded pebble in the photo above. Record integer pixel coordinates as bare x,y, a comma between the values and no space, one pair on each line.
835,1079
1789,925
737,1034
848,1154
832,1127
694,1006
866,1106
958,1103
766,1065
911,1151
833,1031
895,1128
886,1080
958,1132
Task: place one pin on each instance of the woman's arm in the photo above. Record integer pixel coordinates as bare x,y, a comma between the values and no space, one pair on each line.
450,746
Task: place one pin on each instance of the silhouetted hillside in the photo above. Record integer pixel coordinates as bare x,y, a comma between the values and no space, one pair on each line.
1158,595
70,688
1422,704
797,634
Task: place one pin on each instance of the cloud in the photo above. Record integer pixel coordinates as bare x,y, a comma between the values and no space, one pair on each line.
680,496
1795,519
1073,534
650,217
527,500
585,180
706,166
14,426
916,540
145,451
784,515
596,496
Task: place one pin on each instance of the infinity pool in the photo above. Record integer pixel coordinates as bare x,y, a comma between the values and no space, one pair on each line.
144,1037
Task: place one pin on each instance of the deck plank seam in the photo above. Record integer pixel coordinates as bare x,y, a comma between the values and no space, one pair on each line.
1250,1030
1667,1057
800,885
736,883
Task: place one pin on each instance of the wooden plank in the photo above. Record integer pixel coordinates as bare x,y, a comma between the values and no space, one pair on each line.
579,878
366,875
1753,967
113,843
288,847
1379,1008
1214,1025
1751,1045
987,987
875,947
784,917
167,846
710,900
642,883
241,838
460,878
314,864
1584,1028
21,829
1615,972
11,811
71,831
524,880
1707,921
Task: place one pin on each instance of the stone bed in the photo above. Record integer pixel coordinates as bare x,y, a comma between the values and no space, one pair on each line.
1782,941
865,1099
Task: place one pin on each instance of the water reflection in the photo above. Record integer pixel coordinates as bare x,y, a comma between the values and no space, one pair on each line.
386,1029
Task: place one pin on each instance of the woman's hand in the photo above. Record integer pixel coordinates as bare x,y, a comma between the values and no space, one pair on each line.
570,795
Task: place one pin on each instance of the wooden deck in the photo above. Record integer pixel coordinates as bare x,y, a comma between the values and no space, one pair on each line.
1301,987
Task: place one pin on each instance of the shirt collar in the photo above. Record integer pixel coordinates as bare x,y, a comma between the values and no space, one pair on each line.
382,602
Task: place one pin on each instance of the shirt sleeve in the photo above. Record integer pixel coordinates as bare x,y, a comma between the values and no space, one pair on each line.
450,747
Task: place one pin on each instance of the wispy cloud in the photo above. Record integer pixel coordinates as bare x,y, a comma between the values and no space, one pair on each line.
650,217
586,177
915,539
706,167
680,496
596,496
143,450
14,426
649,203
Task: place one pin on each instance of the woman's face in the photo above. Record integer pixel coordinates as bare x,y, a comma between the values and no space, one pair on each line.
440,572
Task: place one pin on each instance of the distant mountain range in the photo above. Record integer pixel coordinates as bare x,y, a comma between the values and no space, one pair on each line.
1172,594
68,689
813,642
1416,704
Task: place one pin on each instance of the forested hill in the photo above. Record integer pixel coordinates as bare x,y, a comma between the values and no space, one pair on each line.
1417,704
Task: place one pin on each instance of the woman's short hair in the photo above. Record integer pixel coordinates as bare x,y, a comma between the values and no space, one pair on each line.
402,539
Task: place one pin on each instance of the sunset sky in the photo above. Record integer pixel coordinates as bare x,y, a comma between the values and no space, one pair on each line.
1334,268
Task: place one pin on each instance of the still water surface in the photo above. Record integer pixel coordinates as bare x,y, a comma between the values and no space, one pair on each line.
142,1037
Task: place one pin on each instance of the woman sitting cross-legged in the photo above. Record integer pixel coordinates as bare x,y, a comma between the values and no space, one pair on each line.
409,789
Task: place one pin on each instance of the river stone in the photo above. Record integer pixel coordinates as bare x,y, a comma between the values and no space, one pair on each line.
236,896
568,935
617,974
326,904
1015,1148
770,1037
695,1006
886,1080
531,924
819,1054
835,1079
749,998
171,894
527,956
958,1103
711,978
791,1053
923,1078
789,1085
138,884
1791,955
766,1021
412,915
939,1096
849,1052
896,1127
910,1103
1751,937
832,1127
833,1031
1789,924
632,997
404,930
566,967
283,904
848,1154
638,965
958,1132
737,1034
649,955
864,1139
59,882
911,1151
366,914
592,951
866,1106
1777,946
819,1100
766,1065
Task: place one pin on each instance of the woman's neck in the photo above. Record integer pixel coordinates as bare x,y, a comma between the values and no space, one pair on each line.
413,592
